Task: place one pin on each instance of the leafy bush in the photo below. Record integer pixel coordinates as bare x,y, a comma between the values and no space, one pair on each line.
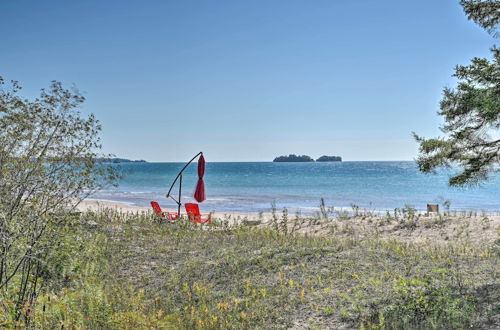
47,165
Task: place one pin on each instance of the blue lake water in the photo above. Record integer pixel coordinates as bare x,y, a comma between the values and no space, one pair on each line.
253,186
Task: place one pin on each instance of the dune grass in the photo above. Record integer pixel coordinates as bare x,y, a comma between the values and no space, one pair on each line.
127,271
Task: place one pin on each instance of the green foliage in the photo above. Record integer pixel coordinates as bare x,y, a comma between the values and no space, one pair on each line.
423,305
471,111
486,13
472,115
47,165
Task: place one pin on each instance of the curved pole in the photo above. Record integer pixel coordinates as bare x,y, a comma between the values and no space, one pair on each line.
180,182
180,173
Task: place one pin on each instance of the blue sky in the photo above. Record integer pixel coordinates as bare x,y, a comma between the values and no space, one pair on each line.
246,80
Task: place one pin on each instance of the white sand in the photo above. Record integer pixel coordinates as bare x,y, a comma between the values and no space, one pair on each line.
477,229
94,205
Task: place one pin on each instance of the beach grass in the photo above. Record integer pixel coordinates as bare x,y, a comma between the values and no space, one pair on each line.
127,271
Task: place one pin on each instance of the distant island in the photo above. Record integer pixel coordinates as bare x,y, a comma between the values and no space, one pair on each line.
304,159
329,159
293,158
120,160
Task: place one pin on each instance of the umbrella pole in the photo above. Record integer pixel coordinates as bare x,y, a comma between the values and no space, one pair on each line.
180,192
179,177
180,173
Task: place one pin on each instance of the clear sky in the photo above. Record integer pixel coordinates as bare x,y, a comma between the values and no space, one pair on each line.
246,80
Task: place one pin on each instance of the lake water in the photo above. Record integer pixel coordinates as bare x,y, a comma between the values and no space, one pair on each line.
253,186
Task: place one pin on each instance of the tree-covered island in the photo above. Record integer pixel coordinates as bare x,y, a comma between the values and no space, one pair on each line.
329,159
304,158
293,158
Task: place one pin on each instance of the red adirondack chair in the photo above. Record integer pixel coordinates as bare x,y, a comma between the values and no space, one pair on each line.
163,215
193,212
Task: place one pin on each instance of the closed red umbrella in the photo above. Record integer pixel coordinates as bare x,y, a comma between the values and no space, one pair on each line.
200,187
199,194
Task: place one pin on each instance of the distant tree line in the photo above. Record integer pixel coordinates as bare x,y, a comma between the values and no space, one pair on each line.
305,158
120,160
329,159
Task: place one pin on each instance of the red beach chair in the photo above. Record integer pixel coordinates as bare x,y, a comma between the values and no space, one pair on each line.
194,215
163,215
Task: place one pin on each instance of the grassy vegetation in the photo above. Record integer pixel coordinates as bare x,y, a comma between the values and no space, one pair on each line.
127,271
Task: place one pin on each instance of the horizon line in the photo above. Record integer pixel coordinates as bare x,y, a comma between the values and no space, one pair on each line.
270,161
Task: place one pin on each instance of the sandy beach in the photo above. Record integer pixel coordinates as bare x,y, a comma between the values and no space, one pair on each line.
476,228
95,205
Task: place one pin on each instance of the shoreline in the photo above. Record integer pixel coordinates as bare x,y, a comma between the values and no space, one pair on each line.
95,204
245,187
421,228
